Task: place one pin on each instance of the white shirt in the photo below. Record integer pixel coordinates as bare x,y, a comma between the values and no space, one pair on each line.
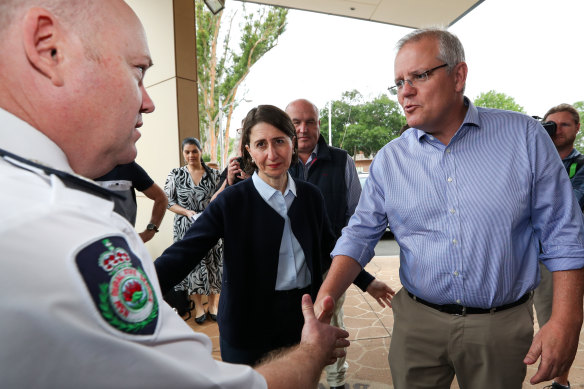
293,271
56,331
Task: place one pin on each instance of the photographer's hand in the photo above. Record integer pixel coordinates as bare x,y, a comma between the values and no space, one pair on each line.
232,170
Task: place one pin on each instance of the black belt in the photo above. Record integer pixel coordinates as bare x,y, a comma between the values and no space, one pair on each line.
455,309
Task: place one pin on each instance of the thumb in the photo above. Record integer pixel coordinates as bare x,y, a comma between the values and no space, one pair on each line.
533,353
307,308
328,306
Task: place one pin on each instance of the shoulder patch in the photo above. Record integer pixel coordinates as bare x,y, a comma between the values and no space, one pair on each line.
118,285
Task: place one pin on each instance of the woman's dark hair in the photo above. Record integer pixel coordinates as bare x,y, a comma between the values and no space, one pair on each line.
271,115
194,141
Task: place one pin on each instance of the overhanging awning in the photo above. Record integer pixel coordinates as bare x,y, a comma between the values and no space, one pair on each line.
406,13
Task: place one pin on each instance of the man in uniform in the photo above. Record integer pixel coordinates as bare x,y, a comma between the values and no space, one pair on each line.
333,171
471,194
81,305
567,125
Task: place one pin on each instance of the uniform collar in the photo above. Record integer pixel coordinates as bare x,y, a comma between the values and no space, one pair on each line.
20,138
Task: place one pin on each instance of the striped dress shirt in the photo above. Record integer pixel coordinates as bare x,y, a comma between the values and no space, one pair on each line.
469,216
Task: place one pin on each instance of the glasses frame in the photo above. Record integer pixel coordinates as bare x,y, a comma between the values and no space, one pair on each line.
399,85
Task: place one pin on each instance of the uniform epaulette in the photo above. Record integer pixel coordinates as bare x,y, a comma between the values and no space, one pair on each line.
73,181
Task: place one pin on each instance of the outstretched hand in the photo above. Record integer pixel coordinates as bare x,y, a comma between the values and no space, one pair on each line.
320,336
381,292
324,309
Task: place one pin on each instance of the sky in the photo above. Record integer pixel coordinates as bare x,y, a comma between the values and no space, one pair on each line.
528,49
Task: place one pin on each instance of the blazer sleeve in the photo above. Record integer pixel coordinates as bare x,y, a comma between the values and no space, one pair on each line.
177,261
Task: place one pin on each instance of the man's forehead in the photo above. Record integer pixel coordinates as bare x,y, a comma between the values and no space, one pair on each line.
565,115
302,111
415,56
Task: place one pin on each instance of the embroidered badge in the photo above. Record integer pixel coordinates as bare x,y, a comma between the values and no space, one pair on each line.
119,286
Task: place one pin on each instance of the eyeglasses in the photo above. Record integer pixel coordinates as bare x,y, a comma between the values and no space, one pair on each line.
399,84
238,131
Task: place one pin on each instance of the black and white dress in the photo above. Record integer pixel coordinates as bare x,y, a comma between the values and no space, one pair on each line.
181,190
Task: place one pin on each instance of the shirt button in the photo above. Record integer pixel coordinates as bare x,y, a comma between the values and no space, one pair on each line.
448,151
452,211
456,273
449,179
454,241
431,137
458,301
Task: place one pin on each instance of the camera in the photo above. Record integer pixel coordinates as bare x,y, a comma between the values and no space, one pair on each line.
550,127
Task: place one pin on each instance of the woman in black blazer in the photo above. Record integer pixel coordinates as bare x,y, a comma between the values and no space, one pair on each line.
277,242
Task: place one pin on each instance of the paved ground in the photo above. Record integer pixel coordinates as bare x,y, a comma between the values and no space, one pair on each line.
370,331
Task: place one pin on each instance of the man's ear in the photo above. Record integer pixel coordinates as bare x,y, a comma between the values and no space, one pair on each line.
42,43
460,72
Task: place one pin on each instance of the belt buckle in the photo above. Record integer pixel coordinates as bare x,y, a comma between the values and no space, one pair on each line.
463,313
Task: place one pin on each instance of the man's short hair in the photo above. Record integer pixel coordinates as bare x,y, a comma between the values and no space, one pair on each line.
450,50
564,108
77,15
314,107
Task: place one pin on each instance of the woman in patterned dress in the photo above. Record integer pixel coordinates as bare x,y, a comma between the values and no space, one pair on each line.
189,190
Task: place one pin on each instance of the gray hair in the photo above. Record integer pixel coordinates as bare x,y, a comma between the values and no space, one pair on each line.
450,50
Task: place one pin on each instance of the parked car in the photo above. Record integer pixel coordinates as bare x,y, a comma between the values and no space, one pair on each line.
362,178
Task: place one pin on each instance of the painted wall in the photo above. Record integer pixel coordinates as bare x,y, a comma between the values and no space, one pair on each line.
171,83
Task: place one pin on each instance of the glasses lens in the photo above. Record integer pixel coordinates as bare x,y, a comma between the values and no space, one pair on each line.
392,90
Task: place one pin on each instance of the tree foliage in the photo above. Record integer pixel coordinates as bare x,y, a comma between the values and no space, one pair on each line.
223,66
492,99
362,126
579,143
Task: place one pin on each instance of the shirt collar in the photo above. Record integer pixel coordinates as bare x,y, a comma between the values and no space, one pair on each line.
266,191
313,155
471,119
573,154
20,138
315,151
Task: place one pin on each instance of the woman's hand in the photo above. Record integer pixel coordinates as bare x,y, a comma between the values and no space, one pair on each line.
188,213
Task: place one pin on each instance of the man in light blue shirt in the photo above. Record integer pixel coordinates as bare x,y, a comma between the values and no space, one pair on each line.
470,194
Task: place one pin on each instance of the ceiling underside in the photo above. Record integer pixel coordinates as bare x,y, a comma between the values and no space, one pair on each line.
406,13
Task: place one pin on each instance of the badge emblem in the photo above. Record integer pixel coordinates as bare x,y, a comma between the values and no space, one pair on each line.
119,286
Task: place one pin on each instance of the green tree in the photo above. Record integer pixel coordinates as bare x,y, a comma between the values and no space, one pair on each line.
579,143
492,99
222,68
362,126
